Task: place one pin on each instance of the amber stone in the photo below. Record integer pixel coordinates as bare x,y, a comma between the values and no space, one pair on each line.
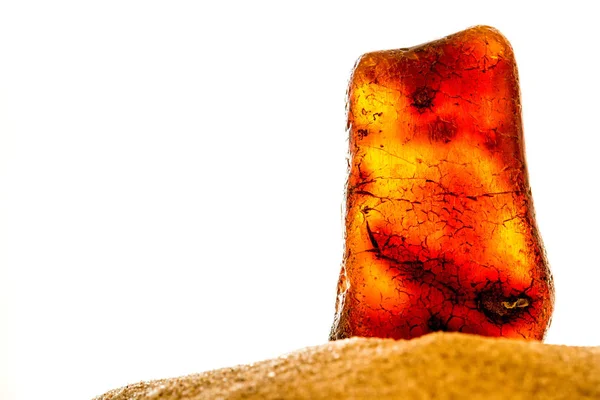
440,230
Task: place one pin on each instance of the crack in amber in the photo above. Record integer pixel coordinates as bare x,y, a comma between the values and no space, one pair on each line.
440,228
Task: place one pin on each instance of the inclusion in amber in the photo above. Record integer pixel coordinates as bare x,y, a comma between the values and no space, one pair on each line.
440,227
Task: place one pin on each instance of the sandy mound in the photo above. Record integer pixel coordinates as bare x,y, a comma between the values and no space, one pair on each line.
436,366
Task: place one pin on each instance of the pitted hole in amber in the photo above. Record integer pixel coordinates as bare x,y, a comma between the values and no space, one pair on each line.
440,227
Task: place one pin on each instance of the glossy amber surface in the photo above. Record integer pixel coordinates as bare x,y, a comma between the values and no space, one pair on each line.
440,225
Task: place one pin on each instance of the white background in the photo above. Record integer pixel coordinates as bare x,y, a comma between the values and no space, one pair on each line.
171,175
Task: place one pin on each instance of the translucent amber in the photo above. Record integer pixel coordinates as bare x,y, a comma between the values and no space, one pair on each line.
440,227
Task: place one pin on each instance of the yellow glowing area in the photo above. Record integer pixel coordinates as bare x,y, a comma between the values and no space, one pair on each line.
409,180
377,106
380,288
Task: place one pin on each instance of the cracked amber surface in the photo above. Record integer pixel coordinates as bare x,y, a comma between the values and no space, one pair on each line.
440,227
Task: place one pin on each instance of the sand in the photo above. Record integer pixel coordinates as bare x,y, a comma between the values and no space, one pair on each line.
436,366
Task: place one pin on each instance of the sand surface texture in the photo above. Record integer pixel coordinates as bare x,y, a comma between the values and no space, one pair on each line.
436,366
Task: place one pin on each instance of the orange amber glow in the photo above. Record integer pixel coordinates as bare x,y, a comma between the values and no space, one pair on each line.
440,227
